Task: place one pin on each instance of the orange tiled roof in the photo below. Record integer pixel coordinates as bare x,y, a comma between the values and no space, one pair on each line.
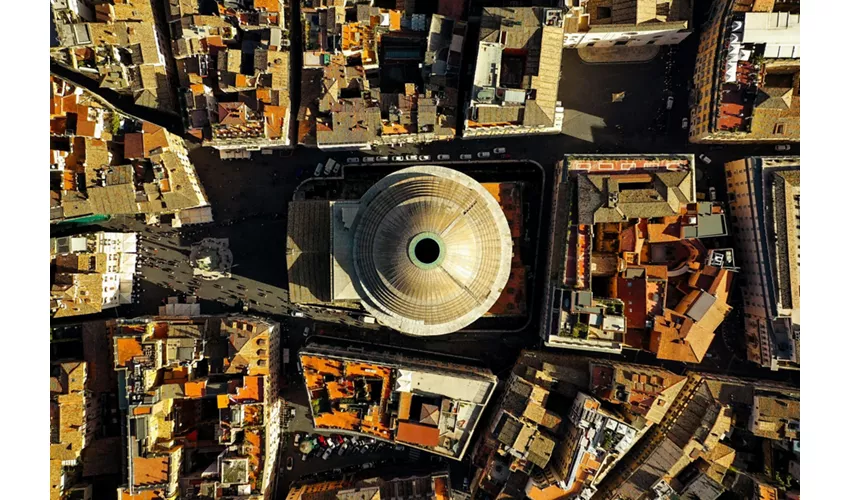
549,493
441,488
264,95
423,435
150,471
252,389
268,5
274,116
154,139
126,348
633,294
133,146
195,389
336,419
154,494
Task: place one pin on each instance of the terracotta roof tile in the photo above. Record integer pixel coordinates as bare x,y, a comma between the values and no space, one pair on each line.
195,389
422,435
150,471
133,146
126,349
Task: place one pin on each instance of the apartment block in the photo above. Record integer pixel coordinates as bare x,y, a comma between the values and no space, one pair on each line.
426,404
518,66
200,403
433,486
629,265
764,201
91,272
105,163
379,76
118,44
628,23
747,76
73,412
233,71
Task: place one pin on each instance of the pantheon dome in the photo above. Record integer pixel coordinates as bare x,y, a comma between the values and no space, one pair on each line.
431,250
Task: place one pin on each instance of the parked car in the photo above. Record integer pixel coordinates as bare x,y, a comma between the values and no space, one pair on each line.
398,158
669,102
288,463
424,157
382,159
705,159
318,171
484,154
444,157
297,314
466,156
336,168
323,442
353,159
499,151
329,166
306,331
368,159
367,465
712,194
338,439
303,457
297,440
411,158
327,454
684,123
342,449
783,147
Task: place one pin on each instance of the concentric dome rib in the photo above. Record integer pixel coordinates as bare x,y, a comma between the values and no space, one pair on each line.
432,250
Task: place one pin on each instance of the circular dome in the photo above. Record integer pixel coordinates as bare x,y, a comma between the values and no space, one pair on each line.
432,250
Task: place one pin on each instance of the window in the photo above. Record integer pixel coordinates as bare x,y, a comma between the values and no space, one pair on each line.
621,42
779,128
603,12
261,341
261,362
261,352
651,42
591,44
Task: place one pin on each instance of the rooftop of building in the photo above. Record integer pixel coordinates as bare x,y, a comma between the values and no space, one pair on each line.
599,16
620,188
115,44
214,372
389,484
775,417
430,405
346,101
69,400
759,88
647,235
517,68
91,272
106,163
233,67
